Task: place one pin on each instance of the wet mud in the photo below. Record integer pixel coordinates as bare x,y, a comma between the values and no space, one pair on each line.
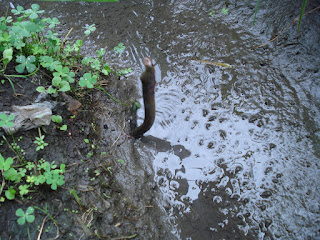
119,202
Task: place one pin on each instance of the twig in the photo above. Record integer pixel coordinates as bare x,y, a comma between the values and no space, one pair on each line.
124,125
125,237
284,30
41,228
3,182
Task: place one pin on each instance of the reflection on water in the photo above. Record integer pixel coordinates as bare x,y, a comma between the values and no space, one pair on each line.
251,132
245,128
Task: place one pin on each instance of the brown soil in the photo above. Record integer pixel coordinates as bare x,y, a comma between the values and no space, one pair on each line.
119,203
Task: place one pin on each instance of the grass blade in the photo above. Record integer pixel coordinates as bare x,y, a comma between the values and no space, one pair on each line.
303,8
255,13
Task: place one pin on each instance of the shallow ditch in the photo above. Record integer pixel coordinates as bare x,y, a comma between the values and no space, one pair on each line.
235,151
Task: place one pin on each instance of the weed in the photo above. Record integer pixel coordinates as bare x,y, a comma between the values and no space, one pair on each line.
33,174
25,217
58,119
40,141
120,48
45,210
224,10
76,197
35,43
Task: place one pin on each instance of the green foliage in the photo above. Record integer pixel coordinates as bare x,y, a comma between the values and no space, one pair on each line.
33,42
120,48
31,175
255,12
212,13
136,106
303,8
25,63
124,71
56,118
25,216
5,164
224,10
87,80
89,29
64,127
40,142
10,193
7,120
7,56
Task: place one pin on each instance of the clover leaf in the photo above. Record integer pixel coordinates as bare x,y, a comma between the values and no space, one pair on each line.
25,216
33,13
89,29
19,10
56,118
5,164
7,55
55,180
88,80
53,22
10,193
23,190
25,63
6,120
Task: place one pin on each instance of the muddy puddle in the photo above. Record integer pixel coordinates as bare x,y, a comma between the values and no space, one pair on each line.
234,150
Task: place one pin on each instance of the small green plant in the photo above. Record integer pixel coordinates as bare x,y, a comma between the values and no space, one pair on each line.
25,217
58,119
32,174
212,13
76,197
224,10
40,141
303,8
120,48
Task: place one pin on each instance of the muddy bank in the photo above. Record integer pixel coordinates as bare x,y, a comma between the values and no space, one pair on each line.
119,202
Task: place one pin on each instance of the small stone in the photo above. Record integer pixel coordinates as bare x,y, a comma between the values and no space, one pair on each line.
205,112
266,194
212,118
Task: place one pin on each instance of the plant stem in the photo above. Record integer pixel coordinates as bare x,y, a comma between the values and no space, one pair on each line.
28,230
100,88
46,212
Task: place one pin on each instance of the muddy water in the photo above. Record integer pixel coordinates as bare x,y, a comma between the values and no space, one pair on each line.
235,150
